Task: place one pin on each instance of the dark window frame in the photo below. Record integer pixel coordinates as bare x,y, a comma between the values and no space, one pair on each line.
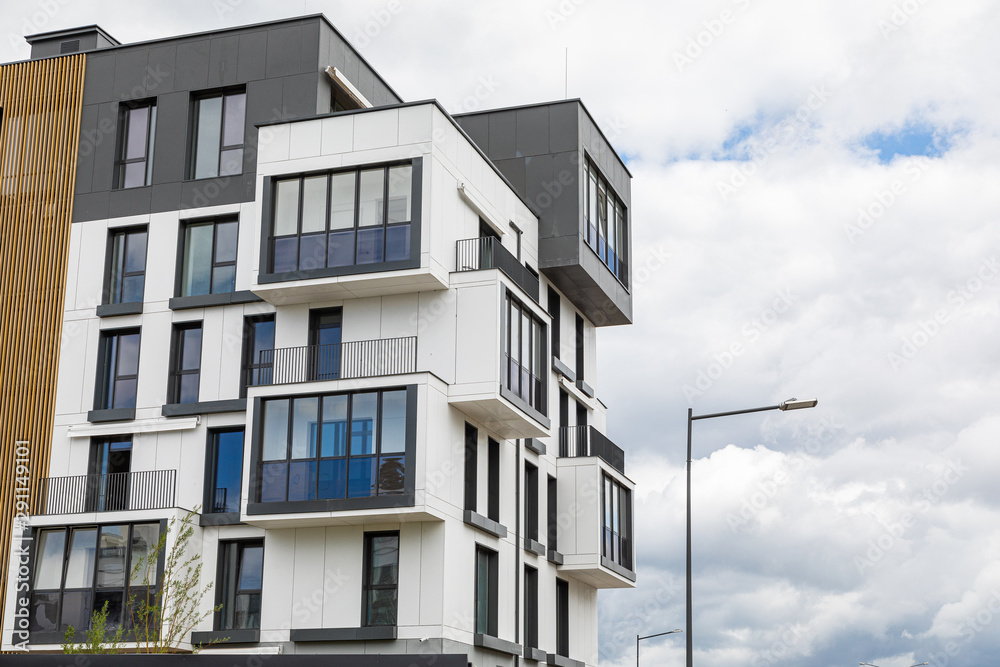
215,264
125,110
211,470
611,213
368,586
581,349
616,539
530,607
553,309
114,281
536,401
471,489
230,565
562,617
178,341
531,501
489,625
552,513
253,369
106,375
194,129
494,491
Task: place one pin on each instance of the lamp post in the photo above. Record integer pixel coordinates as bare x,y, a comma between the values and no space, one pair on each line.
638,639
790,404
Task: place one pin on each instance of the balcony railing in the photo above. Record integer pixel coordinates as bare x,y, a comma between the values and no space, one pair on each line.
338,361
588,441
487,253
113,492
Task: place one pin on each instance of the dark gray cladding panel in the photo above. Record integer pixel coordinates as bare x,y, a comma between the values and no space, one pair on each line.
191,68
514,170
593,141
124,202
99,81
283,54
478,129
298,96
169,147
104,148
85,154
532,131
224,61
162,68
503,135
335,51
130,75
253,56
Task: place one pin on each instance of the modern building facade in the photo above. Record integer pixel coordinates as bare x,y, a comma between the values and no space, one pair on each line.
357,334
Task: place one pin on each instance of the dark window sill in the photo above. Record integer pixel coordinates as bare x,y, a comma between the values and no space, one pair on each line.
585,388
207,300
559,367
617,569
371,633
116,415
484,524
563,661
523,405
333,505
335,271
115,309
535,445
554,556
203,408
219,519
226,637
496,644
536,654
534,546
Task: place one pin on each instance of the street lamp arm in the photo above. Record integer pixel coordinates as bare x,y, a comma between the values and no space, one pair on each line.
659,634
735,412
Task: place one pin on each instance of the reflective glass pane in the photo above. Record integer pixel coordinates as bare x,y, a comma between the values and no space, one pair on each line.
49,559
286,254
275,429
247,614
152,142
334,426
384,560
135,258
382,607
393,421
314,204
132,287
391,474
482,592
370,204
224,279
399,194
251,568
76,609
226,234
144,539
332,478
302,480
135,175
138,122
187,391
44,612
364,412
115,601
124,394
286,207
228,471
117,266
397,243
235,117
342,201
231,162
341,249
80,567
360,477
190,348
304,422
197,260
370,245
206,159
128,354
111,548
312,252
273,483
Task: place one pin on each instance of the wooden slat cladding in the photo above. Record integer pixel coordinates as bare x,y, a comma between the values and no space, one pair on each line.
40,103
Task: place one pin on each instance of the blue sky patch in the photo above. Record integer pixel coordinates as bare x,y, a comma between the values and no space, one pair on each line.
906,141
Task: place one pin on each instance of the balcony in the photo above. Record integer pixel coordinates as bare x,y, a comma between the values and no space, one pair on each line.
113,492
341,361
488,253
576,441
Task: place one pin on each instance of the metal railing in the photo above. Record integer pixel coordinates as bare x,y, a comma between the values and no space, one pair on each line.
588,441
113,492
487,252
219,500
338,361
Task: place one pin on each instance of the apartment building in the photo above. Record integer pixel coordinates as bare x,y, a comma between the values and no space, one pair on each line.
357,334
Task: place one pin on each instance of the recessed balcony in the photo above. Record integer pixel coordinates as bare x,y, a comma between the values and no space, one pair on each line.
113,492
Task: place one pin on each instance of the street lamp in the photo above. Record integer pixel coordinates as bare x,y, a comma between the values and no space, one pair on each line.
638,638
790,404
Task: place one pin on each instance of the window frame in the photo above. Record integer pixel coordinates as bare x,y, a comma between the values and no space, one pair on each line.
194,128
530,606
212,471
562,617
531,474
183,228
104,379
489,625
616,539
493,490
178,342
250,367
552,513
471,488
228,571
266,273
125,110
115,284
538,352
611,228
368,586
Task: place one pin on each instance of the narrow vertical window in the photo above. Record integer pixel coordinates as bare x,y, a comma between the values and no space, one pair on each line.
580,351
208,262
553,308
218,134
258,352
381,578
562,618
241,574
605,222
616,520
127,267
225,471
136,131
552,514
185,363
530,501
493,488
530,607
486,611
524,351
118,374
471,466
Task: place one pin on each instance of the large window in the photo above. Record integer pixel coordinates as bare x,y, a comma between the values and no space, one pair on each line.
381,578
525,367
241,573
333,446
340,219
217,137
607,226
258,336
127,266
78,569
185,363
616,524
118,370
136,129
487,604
208,263
225,470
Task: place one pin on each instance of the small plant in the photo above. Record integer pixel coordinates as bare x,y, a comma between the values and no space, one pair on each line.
97,639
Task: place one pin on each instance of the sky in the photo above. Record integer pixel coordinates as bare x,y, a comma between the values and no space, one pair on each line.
814,214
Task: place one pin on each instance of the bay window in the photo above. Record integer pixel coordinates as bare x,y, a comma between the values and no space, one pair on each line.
524,367
606,223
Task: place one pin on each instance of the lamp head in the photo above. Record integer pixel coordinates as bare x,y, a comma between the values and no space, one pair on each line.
796,404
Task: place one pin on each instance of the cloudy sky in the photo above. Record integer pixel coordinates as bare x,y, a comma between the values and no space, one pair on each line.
815,207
